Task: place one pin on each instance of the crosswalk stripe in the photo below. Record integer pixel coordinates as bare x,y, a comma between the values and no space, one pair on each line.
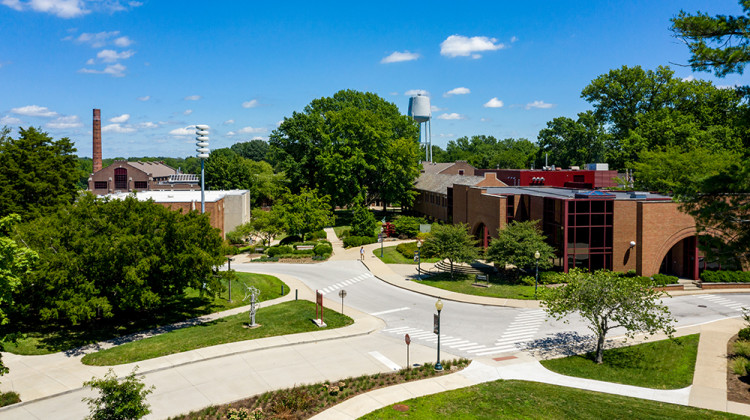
467,347
494,349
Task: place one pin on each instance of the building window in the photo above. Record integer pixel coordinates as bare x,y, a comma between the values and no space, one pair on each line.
100,185
121,179
590,234
460,171
579,178
140,185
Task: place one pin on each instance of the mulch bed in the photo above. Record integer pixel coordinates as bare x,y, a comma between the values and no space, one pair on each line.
738,387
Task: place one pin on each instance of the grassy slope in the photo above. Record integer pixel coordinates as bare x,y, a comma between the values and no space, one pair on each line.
531,400
285,318
463,284
391,256
665,364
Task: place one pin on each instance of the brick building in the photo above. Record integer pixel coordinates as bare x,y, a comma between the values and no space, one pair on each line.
124,176
590,229
435,192
568,178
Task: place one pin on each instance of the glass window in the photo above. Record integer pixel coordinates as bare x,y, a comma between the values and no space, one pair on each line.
582,261
582,206
597,206
610,205
571,207
140,185
609,220
571,220
121,178
608,237
100,185
597,220
582,237
582,220
596,261
571,237
597,237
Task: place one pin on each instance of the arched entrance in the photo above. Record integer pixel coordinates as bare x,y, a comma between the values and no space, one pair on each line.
483,234
682,259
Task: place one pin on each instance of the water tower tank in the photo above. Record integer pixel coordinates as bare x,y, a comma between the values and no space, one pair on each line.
419,108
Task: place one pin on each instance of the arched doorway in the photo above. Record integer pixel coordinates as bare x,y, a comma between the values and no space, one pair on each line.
682,259
121,179
483,234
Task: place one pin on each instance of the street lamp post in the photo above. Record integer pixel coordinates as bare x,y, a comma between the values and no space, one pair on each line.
201,132
439,307
536,279
419,260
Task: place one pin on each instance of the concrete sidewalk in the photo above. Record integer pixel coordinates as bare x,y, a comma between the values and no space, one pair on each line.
707,391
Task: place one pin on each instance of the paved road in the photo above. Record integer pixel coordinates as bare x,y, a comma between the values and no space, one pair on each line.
471,330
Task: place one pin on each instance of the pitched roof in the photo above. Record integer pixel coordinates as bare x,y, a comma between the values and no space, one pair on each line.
439,183
435,168
155,169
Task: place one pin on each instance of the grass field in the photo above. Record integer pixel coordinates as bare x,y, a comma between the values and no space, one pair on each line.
463,284
282,319
391,256
532,400
52,339
665,364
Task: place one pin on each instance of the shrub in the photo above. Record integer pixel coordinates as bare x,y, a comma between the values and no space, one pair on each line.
279,249
8,398
318,234
663,280
742,348
118,399
527,280
407,249
322,248
725,276
551,277
740,365
249,249
227,249
408,225
353,241
235,238
363,222
744,334
302,252
290,240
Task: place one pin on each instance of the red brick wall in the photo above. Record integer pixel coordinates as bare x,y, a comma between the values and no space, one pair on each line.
661,225
624,230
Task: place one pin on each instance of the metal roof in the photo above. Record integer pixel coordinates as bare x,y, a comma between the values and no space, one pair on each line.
569,194
439,183
178,196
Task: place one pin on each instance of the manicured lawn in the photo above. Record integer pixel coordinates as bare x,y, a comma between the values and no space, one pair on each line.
531,400
340,229
52,339
665,364
282,319
463,284
391,256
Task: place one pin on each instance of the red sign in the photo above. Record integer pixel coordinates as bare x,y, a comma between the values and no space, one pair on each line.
319,302
407,339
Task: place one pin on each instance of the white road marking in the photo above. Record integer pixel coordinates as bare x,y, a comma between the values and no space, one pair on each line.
390,311
384,360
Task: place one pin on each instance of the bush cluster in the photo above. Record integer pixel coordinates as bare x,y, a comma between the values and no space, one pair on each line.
323,248
288,240
663,280
318,234
726,276
407,249
354,241
408,225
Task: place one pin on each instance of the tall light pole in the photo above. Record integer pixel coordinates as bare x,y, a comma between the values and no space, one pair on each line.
439,307
419,260
536,278
201,132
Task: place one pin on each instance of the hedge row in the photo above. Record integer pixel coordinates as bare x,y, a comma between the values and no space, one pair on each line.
726,276
353,241
407,249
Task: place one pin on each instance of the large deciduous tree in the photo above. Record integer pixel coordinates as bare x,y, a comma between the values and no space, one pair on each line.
720,43
256,150
226,170
106,258
487,152
567,142
37,173
304,212
517,244
350,145
606,300
451,242
675,171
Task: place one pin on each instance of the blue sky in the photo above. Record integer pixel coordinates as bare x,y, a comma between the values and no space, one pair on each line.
501,68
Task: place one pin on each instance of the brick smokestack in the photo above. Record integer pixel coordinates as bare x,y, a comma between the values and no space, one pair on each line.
97,140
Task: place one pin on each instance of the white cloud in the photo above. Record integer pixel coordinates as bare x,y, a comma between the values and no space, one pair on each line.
90,62
539,105
228,122
457,91
398,57
148,124
185,131
117,128
513,39
250,104
188,111
143,98
111,56
462,46
123,42
688,79
494,103
258,138
34,111
415,92
250,130
65,122
120,119
193,98
485,119
444,135
434,108
69,8
115,70
101,39
451,116
8,120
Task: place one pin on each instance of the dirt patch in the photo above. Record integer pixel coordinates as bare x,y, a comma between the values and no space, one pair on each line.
738,387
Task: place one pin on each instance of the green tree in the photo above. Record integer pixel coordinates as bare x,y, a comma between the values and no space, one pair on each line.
37,174
719,44
256,150
226,170
15,262
487,152
106,258
363,221
118,399
673,170
517,243
304,212
568,142
264,224
451,242
606,300
350,145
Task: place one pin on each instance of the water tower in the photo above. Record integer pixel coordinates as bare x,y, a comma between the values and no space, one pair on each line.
419,109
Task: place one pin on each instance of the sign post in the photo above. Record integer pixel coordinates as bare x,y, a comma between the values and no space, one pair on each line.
319,303
342,295
407,339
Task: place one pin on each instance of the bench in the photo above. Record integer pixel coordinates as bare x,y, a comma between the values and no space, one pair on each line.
305,247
